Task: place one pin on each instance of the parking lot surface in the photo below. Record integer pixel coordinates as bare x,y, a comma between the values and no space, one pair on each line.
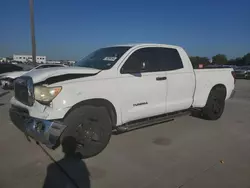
186,152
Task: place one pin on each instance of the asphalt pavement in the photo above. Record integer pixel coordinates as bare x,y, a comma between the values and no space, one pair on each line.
187,152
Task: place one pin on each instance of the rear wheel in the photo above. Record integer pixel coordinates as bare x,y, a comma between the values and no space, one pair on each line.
91,127
215,104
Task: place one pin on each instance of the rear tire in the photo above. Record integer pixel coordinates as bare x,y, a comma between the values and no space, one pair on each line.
91,127
215,104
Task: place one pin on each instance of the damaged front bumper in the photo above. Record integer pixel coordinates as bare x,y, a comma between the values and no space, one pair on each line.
43,131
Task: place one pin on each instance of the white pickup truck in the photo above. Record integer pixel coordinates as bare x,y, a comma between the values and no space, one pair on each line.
117,88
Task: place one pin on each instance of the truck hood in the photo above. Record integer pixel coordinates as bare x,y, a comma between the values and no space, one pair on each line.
13,75
43,74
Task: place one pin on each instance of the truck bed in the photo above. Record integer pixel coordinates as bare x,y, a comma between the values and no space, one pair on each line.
207,78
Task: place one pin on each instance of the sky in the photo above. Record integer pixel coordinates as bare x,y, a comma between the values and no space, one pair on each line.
70,29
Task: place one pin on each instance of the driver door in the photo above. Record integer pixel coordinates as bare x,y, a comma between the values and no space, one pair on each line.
142,86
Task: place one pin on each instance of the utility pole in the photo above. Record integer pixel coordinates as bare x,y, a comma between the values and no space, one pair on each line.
32,30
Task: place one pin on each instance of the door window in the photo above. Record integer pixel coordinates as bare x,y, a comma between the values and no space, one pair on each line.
142,60
152,60
168,59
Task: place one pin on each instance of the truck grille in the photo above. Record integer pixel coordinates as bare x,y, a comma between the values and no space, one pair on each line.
24,90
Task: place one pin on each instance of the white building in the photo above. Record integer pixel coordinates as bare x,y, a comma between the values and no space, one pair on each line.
28,58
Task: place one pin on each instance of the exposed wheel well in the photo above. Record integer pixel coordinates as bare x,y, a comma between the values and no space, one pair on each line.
99,102
222,88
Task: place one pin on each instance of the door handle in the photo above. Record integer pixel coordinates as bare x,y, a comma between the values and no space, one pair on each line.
161,78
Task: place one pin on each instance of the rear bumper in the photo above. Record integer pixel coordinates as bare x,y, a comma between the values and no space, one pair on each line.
44,131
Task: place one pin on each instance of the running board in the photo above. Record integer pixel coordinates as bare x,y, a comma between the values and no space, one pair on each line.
150,121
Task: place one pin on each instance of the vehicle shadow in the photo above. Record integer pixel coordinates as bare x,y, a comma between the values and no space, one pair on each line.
197,114
4,93
68,172
2,104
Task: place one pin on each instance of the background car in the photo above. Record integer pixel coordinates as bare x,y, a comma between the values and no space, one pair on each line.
243,72
221,66
7,67
7,78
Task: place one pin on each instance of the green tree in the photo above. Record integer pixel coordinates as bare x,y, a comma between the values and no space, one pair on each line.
219,59
238,61
196,60
246,59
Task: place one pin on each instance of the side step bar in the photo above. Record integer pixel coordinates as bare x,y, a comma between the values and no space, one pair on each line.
150,121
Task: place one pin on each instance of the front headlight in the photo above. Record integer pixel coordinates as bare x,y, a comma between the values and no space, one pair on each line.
45,94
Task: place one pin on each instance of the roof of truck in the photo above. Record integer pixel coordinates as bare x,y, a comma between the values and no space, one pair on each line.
148,44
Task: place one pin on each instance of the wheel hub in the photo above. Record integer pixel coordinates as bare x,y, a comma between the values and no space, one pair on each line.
216,106
86,134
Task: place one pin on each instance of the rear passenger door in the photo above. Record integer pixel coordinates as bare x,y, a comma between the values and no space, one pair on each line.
142,86
180,80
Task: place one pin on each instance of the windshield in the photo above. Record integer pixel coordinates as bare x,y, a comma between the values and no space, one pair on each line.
103,58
